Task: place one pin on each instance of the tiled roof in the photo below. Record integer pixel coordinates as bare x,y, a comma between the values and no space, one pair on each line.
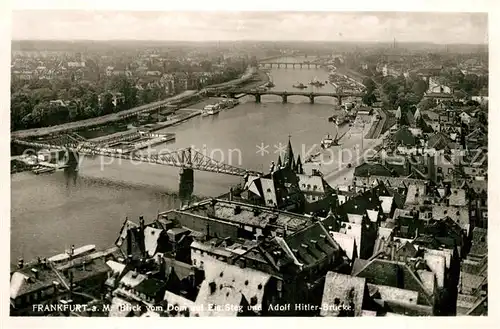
309,183
457,197
353,230
346,242
405,137
230,285
182,303
150,287
151,236
458,215
437,263
394,274
415,194
387,202
479,245
312,245
469,283
119,307
342,289
131,279
387,293
24,281
438,141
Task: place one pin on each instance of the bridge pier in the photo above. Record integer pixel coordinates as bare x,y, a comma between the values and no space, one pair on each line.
186,184
300,65
257,98
339,99
308,66
68,158
311,99
284,98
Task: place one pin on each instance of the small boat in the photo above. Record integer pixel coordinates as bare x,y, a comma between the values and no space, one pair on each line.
43,170
339,120
270,84
210,110
316,83
300,86
327,142
72,253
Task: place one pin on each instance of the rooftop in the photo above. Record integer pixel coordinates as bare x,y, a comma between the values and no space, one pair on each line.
342,289
241,213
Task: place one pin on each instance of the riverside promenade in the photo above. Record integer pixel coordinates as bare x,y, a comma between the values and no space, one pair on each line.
113,117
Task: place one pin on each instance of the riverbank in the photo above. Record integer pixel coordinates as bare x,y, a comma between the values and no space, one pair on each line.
184,99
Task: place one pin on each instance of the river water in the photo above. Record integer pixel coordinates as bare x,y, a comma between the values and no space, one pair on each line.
51,212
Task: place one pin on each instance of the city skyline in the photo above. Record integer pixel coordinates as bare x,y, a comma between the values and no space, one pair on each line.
446,28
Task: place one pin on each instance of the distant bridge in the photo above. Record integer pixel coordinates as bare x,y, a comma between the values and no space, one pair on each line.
231,93
291,64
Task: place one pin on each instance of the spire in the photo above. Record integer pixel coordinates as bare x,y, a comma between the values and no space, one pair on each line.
298,166
279,164
417,115
398,113
289,158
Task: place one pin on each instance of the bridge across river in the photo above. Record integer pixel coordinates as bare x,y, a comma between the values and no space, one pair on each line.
232,93
187,158
285,65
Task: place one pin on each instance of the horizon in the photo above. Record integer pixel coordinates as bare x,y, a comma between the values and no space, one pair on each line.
250,41
231,26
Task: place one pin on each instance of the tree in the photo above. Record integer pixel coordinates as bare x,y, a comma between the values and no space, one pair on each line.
369,85
107,104
426,104
419,87
206,66
91,100
369,99
43,95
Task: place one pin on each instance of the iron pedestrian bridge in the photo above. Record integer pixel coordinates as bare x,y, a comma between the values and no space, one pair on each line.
231,93
187,158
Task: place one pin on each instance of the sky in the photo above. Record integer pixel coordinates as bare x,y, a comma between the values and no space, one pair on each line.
441,28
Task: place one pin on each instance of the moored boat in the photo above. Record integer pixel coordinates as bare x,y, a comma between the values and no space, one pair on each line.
299,86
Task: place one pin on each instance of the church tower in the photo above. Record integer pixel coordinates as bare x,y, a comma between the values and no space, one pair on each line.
289,160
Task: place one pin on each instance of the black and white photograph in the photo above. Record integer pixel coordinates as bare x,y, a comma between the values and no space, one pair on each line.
248,163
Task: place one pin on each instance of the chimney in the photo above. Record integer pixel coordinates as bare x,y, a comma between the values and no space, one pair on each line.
431,167
141,223
212,286
20,263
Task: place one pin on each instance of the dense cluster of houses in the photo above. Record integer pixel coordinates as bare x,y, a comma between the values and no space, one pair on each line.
407,237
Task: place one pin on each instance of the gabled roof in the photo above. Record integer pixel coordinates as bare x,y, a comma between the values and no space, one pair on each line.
438,141
342,289
229,284
405,137
458,197
353,230
393,274
151,236
312,245
479,245
347,243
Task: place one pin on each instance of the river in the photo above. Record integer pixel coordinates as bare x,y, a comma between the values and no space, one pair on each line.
51,212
